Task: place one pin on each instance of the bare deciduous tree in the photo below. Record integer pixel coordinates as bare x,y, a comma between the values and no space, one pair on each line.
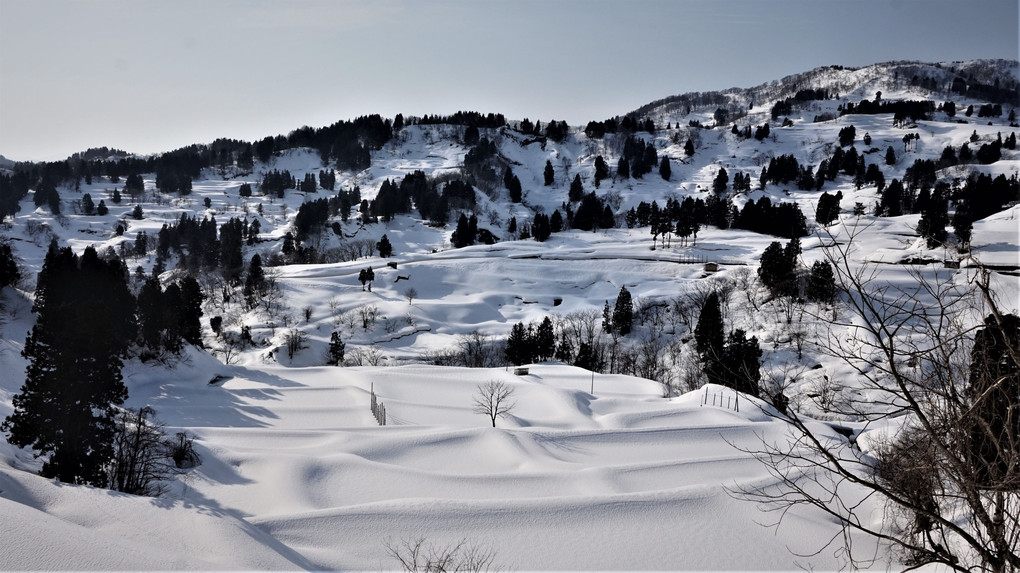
493,400
420,556
949,477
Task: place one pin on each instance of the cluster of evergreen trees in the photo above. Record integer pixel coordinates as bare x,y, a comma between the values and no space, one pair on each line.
276,182
901,110
626,124
468,233
783,220
531,343
466,118
733,361
786,106
86,322
168,319
638,158
682,218
760,132
203,246
554,130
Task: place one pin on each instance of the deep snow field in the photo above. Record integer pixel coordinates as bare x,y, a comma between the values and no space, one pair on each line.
589,472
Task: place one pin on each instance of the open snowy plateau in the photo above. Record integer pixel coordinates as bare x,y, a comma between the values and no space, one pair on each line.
590,471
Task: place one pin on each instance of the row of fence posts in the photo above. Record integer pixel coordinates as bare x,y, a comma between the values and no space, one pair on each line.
722,400
378,408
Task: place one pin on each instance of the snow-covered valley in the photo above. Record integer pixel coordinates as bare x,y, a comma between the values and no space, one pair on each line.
589,470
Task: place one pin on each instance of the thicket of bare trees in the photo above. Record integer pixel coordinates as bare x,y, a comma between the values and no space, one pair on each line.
420,556
145,459
941,385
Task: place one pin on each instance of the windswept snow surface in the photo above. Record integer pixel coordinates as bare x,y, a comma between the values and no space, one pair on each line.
297,474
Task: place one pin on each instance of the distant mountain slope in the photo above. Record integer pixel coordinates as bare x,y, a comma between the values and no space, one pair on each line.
922,79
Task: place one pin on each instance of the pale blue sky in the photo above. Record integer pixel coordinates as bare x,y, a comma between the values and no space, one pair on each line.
148,76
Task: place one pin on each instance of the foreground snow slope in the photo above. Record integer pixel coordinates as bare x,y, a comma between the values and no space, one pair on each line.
297,474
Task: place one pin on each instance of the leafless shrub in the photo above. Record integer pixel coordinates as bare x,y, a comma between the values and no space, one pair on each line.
420,556
294,341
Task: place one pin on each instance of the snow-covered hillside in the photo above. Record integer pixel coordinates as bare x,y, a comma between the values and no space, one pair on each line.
590,471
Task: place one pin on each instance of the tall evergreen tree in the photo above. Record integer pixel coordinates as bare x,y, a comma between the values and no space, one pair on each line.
665,171
548,173
335,352
993,421
821,285
10,274
190,314
720,182
545,340
85,322
623,312
518,345
576,192
623,168
384,247
708,337
255,282
742,360
601,170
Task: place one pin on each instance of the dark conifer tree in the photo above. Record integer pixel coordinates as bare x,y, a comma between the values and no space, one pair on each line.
933,222
601,170
742,363
548,173
288,244
518,345
966,155
335,352
190,313
821,285
623,312
384,247
150,309
463,235
993,424
85,323
708,337
540,227
665,171
10,274
564,349
88,207
516,191
828,208
776,270
556,222
720,182
255,282
689,148
544,343
576,191
623,168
